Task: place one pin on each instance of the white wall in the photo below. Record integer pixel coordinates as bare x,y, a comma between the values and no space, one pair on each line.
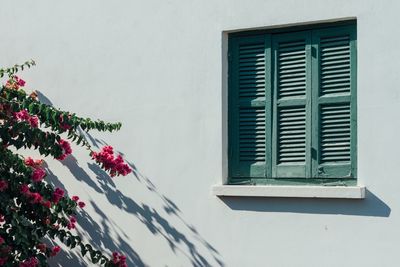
156,66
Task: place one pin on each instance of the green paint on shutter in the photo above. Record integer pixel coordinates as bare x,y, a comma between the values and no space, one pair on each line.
291,138
248,79
292,106
334,103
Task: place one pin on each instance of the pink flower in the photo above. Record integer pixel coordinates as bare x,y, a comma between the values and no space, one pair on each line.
2,218
33,163
57,195
38,175
72,222
20,82
47,204
119,259
63,125
3,261
72,219
24,189
34,121
1,240
116,166
75,198
115,257
29,162
22,115
14,83
81,204
66,148
31,262
55,250
3,185
36,197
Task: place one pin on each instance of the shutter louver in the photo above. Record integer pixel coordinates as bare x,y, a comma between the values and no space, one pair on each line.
335,137
252,70
248,144
335,65
335,133
292,69
292,135
252,134
293,66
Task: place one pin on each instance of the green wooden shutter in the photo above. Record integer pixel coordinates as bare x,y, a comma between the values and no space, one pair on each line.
291,140
334,102
249,76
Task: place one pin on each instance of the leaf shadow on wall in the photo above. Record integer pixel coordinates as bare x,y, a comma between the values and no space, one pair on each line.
97,233
155,220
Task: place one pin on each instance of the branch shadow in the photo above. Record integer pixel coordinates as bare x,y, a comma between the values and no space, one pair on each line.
370,206
71,163
102,239
155,222
99,233
172,209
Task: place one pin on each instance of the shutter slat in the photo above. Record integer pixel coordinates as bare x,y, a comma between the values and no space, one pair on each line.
250,68
293,53
291,69
336,52
291,135
251,72
335,64
335,133
251,134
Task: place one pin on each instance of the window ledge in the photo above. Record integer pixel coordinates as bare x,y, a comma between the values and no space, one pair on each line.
350,192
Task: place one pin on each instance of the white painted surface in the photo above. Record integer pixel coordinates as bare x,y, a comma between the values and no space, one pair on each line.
351,192
157,66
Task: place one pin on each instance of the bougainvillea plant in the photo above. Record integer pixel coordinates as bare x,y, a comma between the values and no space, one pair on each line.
31,209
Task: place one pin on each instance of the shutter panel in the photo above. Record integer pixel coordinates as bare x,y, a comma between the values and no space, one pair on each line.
248,76
334,102
292,110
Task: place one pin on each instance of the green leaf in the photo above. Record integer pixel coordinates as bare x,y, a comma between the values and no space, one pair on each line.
83,250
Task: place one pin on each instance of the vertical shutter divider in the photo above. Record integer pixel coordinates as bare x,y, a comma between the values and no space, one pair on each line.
274,109
268,105
315,106
309,100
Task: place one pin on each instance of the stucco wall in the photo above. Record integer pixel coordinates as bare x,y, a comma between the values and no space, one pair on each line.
157,66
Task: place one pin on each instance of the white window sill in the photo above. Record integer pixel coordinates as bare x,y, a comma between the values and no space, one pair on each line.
352,192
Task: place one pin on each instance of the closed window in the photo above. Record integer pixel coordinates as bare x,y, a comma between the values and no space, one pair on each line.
292,105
